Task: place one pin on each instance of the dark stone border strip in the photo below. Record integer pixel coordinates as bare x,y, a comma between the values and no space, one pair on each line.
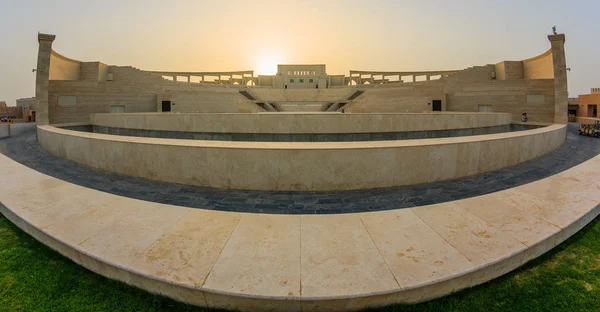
303,137
22,147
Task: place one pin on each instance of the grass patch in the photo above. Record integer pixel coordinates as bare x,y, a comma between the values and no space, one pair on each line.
35,278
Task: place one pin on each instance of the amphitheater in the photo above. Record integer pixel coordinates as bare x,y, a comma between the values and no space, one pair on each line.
300,191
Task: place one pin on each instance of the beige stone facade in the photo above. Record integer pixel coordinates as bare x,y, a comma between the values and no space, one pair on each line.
27,106
301,166
70,91
588,104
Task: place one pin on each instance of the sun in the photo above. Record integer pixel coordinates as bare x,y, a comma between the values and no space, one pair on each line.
267,64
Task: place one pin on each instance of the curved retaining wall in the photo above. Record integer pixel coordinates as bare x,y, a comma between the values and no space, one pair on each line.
300,123
301,166
304,137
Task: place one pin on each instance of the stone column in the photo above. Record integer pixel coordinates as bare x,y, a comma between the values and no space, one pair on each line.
561,96
42,78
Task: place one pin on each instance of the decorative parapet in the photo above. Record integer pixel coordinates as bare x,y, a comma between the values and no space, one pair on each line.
46,37
559,37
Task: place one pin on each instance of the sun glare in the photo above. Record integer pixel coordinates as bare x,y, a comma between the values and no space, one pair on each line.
267,65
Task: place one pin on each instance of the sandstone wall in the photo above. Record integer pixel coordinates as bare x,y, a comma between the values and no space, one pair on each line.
301,95
509,70
403,99
137,91
539,67
465,91
63,68
535,97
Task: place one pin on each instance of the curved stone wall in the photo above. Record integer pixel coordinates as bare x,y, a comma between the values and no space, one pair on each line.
300,123
301,166
539,67
63,68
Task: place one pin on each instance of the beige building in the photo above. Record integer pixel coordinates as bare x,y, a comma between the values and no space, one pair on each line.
68,90
589,103
301,77
27,107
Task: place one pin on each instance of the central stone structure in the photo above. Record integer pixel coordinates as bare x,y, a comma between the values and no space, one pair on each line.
70,91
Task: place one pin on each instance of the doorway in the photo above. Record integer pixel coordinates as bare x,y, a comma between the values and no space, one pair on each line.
437,105
592,110
166,106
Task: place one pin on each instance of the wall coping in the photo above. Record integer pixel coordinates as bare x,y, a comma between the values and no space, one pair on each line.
303,145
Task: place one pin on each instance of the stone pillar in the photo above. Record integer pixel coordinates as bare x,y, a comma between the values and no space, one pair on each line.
42,78
561,96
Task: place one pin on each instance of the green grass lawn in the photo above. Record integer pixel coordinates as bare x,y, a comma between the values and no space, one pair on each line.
35,278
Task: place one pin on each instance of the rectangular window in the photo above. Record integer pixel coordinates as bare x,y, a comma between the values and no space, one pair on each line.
67,100
485,108
310,80
291,80
117,108
301,80
535,99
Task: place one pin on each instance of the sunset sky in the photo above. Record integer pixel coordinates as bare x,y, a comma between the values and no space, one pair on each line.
253,34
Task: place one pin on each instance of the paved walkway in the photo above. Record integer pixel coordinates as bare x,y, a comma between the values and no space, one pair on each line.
266,262
22,147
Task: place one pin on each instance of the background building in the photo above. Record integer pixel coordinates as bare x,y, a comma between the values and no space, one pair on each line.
27,107
588,104
11,112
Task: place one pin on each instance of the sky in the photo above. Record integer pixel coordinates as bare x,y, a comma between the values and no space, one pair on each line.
225,35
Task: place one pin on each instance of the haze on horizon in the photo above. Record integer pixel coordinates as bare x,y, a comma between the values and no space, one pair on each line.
257,35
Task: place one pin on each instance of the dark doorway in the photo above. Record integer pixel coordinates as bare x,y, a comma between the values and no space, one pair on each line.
437,105
166,106
592,110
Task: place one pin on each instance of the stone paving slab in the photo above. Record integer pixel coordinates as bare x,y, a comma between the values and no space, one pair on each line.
267,262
